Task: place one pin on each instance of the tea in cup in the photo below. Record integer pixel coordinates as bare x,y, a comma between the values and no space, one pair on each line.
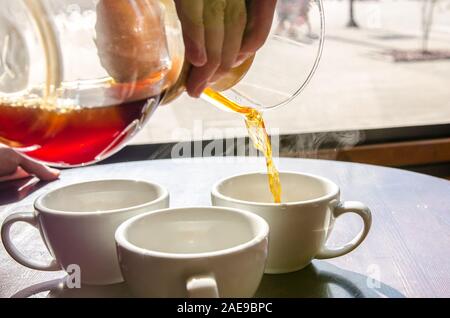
301,224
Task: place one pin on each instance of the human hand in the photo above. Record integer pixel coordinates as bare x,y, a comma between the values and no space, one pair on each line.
220,35
14,165
130,38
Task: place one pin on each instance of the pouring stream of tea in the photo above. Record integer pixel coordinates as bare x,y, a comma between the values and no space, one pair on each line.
258,134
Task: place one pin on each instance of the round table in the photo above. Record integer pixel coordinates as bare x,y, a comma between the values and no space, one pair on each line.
406,254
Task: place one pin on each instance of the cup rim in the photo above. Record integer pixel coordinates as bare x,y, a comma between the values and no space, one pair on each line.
39,205
123,242
328,196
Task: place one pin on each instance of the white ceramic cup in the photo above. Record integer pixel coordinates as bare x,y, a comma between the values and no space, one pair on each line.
300,226
193,252
78,222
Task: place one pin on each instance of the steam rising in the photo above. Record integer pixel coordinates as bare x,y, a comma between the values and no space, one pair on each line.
323,145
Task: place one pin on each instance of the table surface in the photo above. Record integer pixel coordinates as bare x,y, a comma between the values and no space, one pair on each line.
406,254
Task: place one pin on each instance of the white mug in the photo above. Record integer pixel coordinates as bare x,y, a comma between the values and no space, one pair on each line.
78,222
301,224
193,252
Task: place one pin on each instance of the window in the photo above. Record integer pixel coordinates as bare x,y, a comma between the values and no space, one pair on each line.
358,85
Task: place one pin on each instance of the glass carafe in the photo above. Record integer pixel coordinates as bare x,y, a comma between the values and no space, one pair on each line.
71,91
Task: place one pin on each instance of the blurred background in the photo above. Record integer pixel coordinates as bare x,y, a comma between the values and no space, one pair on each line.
381,94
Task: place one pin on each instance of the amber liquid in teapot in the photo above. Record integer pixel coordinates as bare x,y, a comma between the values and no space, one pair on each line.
70,127
70,136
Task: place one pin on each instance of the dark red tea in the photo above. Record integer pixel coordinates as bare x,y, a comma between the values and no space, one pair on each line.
72,136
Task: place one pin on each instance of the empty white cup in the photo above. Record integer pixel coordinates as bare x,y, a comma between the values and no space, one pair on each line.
78,222
301,224
193,252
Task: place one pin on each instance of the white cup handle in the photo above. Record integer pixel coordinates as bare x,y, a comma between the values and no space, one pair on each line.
348,207
14,252
202,287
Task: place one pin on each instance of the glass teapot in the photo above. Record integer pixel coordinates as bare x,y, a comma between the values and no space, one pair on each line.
71,91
